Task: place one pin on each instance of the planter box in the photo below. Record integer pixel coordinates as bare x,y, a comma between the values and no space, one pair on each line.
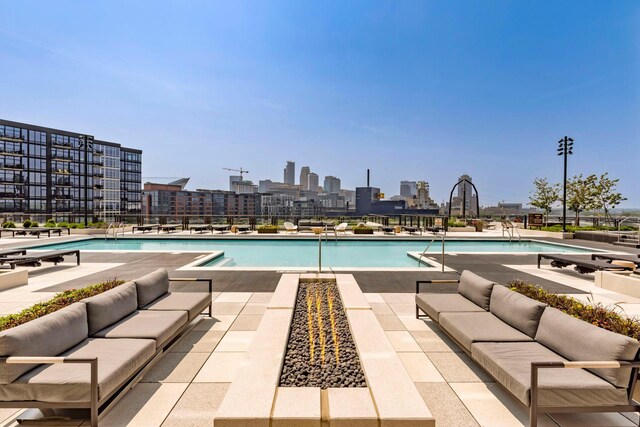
267,231
539,233
618,282
461,229
95,231
13,278
362,231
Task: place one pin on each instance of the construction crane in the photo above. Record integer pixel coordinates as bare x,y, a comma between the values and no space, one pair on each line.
242,171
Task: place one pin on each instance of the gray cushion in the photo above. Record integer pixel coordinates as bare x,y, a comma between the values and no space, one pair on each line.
191,302
111,306
152,286
49,335
517,310
468,328
475,288
434,304
156,325
510,364
70,382
580,341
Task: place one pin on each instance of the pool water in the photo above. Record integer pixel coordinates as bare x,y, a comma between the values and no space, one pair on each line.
304,253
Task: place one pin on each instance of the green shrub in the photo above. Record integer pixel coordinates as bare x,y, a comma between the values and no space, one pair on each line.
267,229
26,223
59,301
573,228
596,314
34,224
454,223
50,223
8,224
76,225
99,224
63,224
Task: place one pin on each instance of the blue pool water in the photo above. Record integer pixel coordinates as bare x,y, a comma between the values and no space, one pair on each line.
304,253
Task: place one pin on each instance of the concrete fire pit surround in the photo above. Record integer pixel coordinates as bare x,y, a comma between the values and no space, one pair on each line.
254,398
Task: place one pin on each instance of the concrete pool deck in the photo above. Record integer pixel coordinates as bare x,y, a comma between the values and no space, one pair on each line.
187,387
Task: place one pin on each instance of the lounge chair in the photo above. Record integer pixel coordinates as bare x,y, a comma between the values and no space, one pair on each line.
609,258
341,228
289,227
411,229
582,264
35,259
220,227
170,227
144,228
9,252
199,228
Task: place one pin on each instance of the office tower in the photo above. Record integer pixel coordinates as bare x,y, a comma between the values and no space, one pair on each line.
331,184
408,188
304,177
290,173
313,181
233,179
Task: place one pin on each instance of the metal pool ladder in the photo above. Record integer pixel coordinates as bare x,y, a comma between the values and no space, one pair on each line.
435,234
511,231
116,230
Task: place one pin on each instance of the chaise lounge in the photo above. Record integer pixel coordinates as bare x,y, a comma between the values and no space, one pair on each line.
582,264
34,259
548,360
88,355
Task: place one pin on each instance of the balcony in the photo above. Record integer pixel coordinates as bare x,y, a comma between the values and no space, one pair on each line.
11,138
14,153
63,145
58,158
8,195
62,172
98,153
19,166
62,197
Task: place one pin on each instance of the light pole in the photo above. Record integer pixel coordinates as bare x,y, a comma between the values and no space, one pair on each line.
565,149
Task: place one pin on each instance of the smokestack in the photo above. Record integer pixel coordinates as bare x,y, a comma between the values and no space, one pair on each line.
368,178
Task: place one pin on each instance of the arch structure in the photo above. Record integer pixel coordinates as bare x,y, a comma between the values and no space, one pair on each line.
464,197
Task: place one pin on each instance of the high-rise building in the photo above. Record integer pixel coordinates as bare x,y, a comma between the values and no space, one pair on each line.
408,188
331,184
313,181
290,173
466,196
304,177
233,179
68,176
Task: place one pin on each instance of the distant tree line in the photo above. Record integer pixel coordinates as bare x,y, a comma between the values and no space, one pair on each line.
589,193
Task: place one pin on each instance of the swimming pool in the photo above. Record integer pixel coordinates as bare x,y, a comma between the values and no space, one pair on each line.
284,253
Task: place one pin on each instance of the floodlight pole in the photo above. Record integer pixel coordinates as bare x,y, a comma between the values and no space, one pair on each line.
565,148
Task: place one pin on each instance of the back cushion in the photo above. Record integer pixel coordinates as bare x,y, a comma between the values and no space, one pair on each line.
581,341
152,286
475,288
49,335
516,310
111,306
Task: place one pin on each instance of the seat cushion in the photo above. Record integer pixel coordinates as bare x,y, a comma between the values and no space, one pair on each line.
191,302
581,341
48,335
152,286
434,304
468,328
510,364
475,288
155,325
515,309
111,306
70,382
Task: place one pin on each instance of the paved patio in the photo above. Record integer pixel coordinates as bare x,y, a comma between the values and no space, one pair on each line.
188,385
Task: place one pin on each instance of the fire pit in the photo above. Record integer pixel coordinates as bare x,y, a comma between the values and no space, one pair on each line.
320,350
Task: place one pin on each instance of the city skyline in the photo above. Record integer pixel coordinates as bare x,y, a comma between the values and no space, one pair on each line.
386,87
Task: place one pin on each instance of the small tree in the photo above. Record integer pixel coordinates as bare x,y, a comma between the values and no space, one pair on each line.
607,197
544,196
582,194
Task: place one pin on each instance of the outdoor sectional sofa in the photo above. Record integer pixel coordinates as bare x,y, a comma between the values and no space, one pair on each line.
548,360
89,354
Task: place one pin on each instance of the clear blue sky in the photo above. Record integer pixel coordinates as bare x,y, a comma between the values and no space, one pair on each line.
412,90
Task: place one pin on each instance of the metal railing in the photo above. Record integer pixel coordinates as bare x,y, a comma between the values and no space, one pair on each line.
435,234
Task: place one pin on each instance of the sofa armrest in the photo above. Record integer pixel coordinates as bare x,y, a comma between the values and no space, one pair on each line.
435,281
193,279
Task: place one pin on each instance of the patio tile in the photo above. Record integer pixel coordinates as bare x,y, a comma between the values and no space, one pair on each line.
219,322
435,342
381,308
255,308
398,298
199,342
374,297
197,406
246,322
147,404
351,407
413,324
403,309
233,297
261,297
176,368
458,367
402,341
227,307
296,407
420,368
445,406
221,367
390,322
236,341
